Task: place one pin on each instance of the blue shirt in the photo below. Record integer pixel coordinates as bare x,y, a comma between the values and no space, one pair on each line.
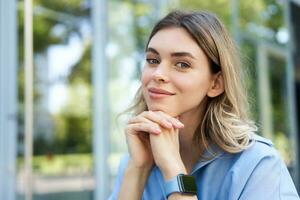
257,173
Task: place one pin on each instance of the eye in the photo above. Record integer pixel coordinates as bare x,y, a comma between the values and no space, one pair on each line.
182,65
152,61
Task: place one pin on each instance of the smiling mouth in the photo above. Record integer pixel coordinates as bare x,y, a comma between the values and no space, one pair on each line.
155,93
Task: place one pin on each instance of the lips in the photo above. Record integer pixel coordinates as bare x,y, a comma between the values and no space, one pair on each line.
157,93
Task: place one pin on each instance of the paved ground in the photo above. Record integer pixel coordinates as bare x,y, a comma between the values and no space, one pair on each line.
59,188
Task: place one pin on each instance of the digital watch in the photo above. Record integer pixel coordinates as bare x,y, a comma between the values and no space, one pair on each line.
184,184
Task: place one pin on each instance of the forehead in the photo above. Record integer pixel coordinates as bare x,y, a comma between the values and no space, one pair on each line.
175,40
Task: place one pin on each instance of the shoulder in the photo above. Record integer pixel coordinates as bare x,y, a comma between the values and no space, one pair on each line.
261,164
255,161
260,148
262,140
259,161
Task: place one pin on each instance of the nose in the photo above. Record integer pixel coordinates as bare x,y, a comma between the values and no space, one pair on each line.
160,73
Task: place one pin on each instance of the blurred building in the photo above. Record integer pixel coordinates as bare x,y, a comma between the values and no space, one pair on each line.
274,69
294,16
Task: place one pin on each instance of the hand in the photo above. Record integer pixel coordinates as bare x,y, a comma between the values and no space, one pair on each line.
166,152
137,135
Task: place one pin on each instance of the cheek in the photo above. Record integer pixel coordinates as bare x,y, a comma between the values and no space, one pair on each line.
193,87
146,76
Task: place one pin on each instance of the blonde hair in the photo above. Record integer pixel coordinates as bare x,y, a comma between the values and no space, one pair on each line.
225,122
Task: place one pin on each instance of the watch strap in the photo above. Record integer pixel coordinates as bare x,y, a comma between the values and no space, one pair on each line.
184,184
172,186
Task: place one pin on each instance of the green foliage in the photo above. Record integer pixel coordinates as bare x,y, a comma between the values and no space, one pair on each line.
42,36
220,7
249,61
73,125
74,7
81,71
274,14
73,134
250,11
73,131
282,143
67,164
143,21
60,165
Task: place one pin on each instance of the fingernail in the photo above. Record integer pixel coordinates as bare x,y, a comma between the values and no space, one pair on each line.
179,124
157,130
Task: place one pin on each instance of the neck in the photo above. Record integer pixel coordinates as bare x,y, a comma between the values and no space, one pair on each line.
190,150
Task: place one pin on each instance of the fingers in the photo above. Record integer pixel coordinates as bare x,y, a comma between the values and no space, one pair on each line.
153,121
174,121
162,119
151,118
143,127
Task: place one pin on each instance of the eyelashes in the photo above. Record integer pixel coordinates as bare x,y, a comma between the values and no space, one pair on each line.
182,65
178,64
152,61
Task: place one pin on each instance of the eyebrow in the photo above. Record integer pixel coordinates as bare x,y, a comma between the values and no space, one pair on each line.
174,54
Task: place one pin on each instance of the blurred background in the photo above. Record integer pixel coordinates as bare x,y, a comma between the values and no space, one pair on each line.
87,56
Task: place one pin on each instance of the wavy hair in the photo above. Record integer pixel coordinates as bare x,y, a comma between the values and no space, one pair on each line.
226,122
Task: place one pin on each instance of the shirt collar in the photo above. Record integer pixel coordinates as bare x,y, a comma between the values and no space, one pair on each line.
210,154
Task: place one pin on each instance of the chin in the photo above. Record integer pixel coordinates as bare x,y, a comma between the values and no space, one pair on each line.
166,110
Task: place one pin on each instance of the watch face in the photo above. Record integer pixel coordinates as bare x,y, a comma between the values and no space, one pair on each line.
188,184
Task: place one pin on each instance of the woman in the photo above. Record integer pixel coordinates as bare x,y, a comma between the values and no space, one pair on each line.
190,136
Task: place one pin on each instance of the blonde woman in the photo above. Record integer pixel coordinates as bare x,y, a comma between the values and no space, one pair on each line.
190,136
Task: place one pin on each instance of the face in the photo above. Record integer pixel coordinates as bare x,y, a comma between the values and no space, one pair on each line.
176,76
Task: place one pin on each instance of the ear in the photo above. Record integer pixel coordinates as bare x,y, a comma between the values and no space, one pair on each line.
217,85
